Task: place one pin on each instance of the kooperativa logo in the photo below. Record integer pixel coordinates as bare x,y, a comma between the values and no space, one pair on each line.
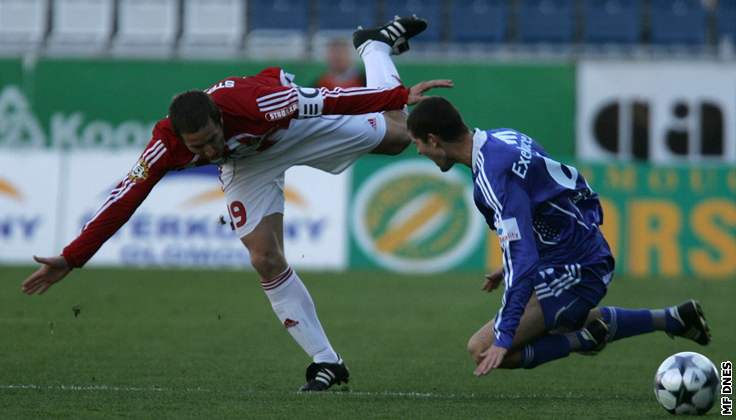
408,217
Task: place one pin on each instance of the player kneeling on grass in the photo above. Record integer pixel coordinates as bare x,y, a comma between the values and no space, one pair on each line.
557,265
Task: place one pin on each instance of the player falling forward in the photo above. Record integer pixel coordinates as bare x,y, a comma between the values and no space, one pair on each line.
557,265
256,128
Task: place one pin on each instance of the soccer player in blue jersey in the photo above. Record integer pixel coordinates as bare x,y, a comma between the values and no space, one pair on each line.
557,265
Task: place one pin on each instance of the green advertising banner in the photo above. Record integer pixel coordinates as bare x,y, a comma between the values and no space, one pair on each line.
96,103
660,221
407,216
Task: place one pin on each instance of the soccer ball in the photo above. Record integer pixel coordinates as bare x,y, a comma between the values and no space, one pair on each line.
686,383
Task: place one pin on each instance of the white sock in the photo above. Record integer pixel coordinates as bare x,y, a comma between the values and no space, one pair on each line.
380,71
295,309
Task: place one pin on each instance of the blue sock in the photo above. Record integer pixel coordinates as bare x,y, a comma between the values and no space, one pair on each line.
544,349
624,323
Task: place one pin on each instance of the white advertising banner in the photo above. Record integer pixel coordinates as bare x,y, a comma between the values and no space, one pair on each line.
179,223
663,112
29,191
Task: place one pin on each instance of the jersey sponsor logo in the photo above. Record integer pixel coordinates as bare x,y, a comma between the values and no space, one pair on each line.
282,113
508,231
407,218
139,171
521,167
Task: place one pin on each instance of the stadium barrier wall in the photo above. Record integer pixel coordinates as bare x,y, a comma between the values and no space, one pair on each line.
70,129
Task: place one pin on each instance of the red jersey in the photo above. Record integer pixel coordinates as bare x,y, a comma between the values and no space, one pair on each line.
252,108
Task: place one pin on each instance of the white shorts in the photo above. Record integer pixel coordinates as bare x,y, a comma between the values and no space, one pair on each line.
254,185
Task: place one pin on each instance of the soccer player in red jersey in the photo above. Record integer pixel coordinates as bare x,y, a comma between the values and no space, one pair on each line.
255,128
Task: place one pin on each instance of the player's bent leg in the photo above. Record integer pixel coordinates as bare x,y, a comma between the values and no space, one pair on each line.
530,327
532,344
265,245
565,313
396,139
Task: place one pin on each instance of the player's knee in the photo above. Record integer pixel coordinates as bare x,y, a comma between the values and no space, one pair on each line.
475,348
594,313
268,262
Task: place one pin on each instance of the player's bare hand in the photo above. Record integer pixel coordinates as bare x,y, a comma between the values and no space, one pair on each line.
492,359
416,92
52,270
493,280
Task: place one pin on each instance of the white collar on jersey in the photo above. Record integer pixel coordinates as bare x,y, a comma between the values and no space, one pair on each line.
479,139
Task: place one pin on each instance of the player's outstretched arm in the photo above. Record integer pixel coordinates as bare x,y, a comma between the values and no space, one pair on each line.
309,103
416,92
52,270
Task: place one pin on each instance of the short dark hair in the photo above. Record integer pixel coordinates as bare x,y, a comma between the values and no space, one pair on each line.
436,115
190,111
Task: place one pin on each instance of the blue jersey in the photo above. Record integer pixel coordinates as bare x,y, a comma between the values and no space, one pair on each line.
544,213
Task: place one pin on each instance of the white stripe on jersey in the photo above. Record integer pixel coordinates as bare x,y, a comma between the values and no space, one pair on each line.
292,92
483,189
353,92
493,201
110,201
156,147
496,204
499,316
569,214
150,156
279,105
273,95
153,149
482,175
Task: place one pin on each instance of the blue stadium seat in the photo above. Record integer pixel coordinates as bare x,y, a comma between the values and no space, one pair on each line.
726,19
345,14
482,21
546,21
278,14
427,9
678,22
612,21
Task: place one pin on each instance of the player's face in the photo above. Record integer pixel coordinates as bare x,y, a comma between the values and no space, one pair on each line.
209,142
434,151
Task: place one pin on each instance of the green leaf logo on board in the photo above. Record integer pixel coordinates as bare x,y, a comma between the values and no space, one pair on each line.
410,217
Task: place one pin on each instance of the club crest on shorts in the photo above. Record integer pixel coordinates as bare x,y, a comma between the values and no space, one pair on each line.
139,172
373,123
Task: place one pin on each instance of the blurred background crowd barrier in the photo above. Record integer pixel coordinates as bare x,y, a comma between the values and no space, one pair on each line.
302,28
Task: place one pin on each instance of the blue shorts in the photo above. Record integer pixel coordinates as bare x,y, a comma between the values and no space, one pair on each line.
568,292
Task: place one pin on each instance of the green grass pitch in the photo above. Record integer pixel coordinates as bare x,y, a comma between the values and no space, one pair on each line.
205,344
